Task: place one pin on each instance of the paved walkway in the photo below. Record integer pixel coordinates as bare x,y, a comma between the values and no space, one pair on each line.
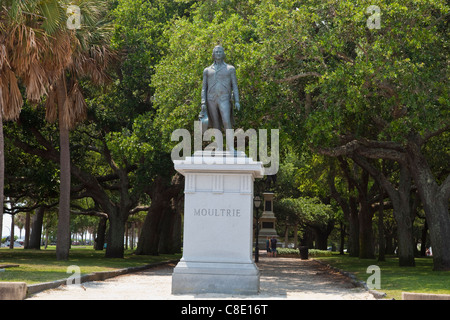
281,278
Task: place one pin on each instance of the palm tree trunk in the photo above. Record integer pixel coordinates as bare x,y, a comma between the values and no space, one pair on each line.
11,234
26,243
2,172
63,233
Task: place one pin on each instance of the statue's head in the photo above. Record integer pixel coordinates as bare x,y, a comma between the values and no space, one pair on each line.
218,53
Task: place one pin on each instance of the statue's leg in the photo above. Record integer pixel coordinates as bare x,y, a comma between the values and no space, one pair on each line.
225,113
213,113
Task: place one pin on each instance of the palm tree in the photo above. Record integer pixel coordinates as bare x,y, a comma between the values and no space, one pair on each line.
90,57
37,47
22,39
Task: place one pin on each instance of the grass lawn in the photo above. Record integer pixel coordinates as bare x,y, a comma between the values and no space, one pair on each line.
395,279
36,266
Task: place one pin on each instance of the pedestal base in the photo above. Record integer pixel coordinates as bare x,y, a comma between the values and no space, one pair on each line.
214,277
218,224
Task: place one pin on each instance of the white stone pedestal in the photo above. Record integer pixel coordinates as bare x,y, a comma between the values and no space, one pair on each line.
218,224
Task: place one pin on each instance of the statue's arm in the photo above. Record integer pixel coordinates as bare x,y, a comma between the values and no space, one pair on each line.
235,88
204,86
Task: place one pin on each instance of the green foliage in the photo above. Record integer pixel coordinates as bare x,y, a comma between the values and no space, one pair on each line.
139,27
310,68
125,111
382,83
311,252
377,84
178,76
308,211
29,175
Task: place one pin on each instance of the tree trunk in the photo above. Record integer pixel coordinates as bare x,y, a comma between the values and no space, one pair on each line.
115,244
353,229
342,237
350,214
366,245
296,236
404,219
11,235
161,196
26,243
439,226
321,239
148,243
435,203
286,234
405,237
166,232
63,232
126,235
381,238
2,173
423,240
101,231
133,233
402,212
36,229
177,243
322,233
353,212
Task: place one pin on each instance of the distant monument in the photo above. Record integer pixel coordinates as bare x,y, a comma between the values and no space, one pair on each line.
267,222
218,208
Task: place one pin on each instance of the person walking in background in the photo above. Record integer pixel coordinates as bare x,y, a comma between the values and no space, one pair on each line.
273,245
269,253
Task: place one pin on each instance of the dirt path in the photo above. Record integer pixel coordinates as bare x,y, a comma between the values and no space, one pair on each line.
281,278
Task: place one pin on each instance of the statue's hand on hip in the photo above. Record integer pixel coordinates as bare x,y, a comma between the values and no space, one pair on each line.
203,113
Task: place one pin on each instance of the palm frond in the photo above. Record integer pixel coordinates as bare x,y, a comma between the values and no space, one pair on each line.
51,106
10,96
54,15
12,111
36,82
3,57
75,107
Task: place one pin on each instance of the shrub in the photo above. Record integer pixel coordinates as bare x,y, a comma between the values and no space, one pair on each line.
319,253
311,252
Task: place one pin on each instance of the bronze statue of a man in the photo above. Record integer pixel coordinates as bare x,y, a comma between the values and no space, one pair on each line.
219,84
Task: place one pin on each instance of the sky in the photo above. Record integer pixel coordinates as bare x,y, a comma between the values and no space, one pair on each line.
7,226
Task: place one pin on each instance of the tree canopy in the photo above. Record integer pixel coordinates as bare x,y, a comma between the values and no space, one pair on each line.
358,90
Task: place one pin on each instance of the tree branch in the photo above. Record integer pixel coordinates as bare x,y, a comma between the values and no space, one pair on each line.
435,133
139,209
368,148
444,188
376,174
91,213
298,76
